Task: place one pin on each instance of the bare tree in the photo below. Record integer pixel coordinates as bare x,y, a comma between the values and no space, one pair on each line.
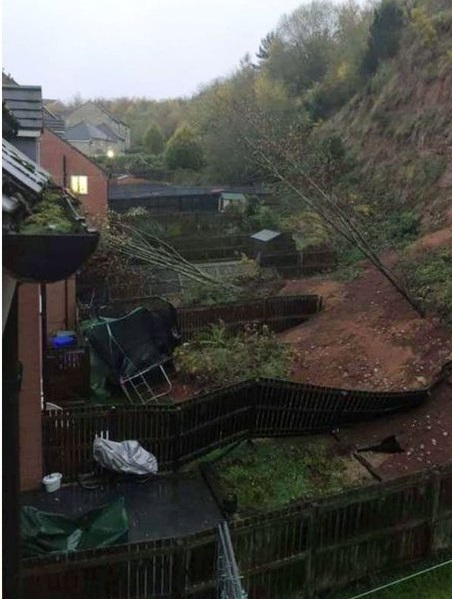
279,151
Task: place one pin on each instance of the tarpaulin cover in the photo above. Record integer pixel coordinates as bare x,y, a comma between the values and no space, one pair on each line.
44,532
128,457
136,341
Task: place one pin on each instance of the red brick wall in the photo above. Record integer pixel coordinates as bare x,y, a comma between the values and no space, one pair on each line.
29,333
56,156
61,308
56,153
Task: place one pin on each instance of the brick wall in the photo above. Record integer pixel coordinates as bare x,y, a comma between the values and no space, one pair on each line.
63,160
29,348
61,306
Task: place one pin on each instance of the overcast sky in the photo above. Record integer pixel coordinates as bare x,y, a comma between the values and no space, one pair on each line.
112,48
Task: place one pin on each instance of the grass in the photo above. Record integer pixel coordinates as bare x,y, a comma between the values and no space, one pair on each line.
435,584
428,275
273,472
432,585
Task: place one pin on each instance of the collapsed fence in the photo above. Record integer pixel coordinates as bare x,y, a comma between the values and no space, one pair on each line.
297,551
177,434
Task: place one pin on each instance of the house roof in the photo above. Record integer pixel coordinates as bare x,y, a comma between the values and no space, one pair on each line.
84,131
105,128
7,78
52,121
235,197
22,169
266,235
103,109
25,103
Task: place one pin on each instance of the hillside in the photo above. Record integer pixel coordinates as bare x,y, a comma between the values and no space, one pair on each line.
400,128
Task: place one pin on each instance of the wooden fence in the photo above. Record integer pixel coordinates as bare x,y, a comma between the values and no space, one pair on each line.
179,433
298,551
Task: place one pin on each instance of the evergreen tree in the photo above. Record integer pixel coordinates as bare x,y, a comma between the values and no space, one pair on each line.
384,35
183,150
153,139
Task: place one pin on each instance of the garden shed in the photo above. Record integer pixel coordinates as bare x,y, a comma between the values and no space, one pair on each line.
273,248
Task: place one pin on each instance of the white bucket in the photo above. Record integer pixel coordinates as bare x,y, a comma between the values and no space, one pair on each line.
52,482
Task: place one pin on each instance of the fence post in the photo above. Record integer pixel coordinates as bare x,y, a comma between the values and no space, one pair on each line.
436,490
178,586
309,591
176,441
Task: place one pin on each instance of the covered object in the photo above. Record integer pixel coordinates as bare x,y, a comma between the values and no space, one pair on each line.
44,532
137,340
128,457
136,348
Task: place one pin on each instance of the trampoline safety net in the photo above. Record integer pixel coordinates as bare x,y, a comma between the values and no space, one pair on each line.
229,583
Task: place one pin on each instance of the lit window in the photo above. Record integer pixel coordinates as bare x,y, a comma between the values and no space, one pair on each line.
79,184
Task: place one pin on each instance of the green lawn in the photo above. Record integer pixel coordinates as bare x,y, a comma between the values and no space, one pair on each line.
436,584
273,472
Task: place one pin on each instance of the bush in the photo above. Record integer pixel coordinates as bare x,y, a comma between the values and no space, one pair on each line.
217,357
401,227
428,276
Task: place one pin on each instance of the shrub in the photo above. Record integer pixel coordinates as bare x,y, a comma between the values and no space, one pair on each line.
428,275
401,227
217,357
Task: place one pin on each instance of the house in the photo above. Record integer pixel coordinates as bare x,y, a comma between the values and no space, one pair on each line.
91,140
96,115
71,168
24,104
28,261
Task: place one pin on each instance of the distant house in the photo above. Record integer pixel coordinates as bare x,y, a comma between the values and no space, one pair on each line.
93,114
90,140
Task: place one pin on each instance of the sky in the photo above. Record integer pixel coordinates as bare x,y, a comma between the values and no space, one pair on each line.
111,48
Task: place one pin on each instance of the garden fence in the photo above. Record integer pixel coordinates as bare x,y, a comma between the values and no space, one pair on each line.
177,434
298,551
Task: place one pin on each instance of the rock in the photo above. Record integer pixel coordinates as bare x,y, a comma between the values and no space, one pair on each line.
421,380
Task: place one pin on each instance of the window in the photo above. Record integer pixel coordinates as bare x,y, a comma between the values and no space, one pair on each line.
79,184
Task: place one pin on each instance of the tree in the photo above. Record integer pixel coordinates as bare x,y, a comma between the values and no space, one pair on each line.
184,150
286,157
153,139
384,35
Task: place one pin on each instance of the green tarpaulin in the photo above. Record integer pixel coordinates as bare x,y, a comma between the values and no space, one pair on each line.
44,532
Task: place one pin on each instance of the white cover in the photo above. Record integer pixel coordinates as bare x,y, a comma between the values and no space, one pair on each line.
128,457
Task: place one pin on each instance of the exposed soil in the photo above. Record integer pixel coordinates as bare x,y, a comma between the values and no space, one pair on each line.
367,337
424,434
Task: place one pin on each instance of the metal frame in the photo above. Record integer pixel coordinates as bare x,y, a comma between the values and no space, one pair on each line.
138,387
